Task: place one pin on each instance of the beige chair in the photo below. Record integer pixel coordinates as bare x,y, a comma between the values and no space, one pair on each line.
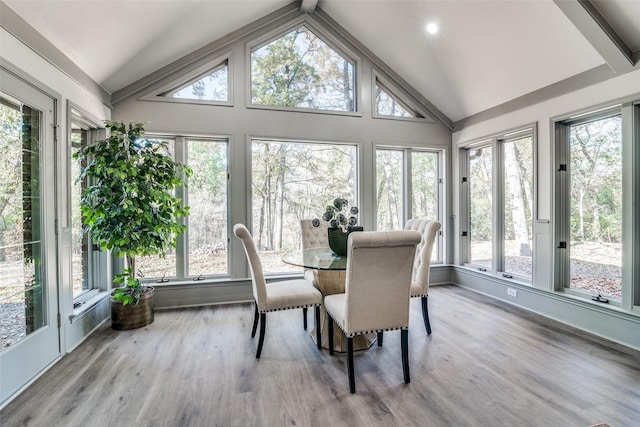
276,296
376,297
312,237
422,264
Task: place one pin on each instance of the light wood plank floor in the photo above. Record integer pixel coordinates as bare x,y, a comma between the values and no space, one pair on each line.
486,364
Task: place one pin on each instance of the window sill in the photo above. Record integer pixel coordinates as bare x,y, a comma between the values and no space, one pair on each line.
89,305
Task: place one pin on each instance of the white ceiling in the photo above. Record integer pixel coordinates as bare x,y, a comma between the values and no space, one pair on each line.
487,52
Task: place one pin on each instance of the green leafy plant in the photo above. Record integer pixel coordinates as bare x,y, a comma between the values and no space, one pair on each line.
128,206
131,288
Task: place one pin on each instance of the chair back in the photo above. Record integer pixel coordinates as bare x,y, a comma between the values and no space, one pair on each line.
314,237
378,279
255,264
424,250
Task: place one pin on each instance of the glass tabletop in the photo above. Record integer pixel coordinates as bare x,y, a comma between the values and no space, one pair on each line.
317,259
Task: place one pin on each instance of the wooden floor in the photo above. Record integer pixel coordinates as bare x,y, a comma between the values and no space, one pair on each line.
486,364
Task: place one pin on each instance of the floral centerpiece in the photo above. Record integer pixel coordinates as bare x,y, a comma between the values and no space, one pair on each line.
342,220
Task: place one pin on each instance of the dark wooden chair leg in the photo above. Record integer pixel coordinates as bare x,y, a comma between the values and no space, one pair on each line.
263,320
380,339
404,343
304,317
352,378
425,315
330,332
255,322
318,332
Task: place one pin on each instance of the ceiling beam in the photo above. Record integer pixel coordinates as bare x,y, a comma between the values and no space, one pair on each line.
308,6
584,15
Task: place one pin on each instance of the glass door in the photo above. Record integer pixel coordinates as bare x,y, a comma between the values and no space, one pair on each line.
29,332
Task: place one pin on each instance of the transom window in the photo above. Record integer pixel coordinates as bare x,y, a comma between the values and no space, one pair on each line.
387,104
214,86
299,70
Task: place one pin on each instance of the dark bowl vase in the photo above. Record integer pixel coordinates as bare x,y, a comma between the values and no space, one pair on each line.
338,240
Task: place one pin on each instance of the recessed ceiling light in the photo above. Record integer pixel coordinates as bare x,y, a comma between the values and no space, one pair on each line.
432,28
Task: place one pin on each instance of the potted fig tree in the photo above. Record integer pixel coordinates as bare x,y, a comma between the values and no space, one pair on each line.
128,208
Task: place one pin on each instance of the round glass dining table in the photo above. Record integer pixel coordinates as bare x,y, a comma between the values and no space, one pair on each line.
329,274
316,259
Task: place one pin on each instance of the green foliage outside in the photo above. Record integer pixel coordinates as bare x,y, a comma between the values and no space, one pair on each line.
299,70
292,181
10,181
596,181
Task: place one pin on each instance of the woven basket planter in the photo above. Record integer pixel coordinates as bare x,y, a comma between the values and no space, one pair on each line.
130,316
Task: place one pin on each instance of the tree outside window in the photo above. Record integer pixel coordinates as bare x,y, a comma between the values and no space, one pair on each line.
293,181
299,70
595,246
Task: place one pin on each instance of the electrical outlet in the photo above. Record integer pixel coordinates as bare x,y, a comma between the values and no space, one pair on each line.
512,292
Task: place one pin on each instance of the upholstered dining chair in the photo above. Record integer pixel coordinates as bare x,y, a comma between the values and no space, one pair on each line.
376,297
422,264
312,237
282,295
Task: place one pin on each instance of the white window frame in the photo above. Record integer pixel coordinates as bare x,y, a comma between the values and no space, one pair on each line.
495,142
377,79
629,110
328,39
182,250
99,266
195,73
407,191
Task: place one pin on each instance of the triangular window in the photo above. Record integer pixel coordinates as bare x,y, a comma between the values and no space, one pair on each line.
387,104
299,70
212,86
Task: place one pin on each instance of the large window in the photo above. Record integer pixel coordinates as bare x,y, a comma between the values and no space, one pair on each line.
481,206
517,206
154,266
500,205
81,247
299,70
426,188
202,251
390,189
293,181
592,162
207,198
408,185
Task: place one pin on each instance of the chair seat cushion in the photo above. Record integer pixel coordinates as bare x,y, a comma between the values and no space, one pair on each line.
335,305
291,294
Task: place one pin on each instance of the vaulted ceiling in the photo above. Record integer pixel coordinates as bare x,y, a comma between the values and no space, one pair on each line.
487,53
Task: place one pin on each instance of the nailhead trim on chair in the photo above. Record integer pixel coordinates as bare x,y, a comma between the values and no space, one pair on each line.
290,308
369,332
